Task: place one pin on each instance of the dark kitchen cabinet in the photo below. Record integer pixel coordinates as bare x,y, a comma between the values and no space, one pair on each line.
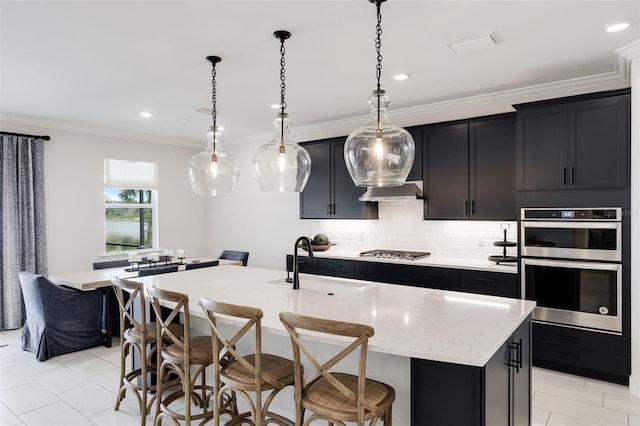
330,192
469,169
440,278
490,283
336,267
307,265
586,353
416,170
497,394
383,272
574,143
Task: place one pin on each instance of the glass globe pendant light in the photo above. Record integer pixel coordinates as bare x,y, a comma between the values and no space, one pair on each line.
379,153
282,165
213,171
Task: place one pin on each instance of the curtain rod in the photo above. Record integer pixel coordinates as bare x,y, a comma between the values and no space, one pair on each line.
46,138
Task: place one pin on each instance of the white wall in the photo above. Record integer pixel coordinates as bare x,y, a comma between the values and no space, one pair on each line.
74,176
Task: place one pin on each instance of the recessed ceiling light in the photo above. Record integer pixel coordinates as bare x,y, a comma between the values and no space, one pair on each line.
401,77
146,114
220,128
275,106
618,26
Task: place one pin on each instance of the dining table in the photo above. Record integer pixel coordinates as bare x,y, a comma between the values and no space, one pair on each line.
100,280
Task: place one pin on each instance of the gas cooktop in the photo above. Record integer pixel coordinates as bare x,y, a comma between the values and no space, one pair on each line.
395,254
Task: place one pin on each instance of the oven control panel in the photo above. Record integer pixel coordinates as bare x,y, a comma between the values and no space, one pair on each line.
610,214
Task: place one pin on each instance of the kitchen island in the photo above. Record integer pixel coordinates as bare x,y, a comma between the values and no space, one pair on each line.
430,345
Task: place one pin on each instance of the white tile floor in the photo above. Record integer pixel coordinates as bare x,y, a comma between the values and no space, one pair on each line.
80,388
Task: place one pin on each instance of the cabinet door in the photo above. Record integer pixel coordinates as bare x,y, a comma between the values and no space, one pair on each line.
383,272
440,278
542,148
598,141
489,283
446,171
492,169
521,377
315,198
416,170
498,398
345,204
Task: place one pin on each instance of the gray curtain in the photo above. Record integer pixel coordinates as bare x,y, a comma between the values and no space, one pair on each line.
23,245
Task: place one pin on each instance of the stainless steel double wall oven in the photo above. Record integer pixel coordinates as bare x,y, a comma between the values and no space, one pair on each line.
571,265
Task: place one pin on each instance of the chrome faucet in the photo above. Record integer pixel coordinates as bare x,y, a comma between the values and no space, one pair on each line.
295,266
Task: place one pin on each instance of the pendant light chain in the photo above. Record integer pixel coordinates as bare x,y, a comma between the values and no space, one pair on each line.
378,42
283,104
214,113
379,58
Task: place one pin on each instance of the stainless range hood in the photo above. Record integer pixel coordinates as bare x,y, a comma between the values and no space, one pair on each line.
408,191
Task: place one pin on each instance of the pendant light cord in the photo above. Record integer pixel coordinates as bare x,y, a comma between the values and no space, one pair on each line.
283,104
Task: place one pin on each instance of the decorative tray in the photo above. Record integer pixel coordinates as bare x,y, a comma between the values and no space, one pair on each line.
322,247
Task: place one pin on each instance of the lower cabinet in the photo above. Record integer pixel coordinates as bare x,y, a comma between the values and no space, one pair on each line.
587,353
440,278
307,265
384,272
336,267
494,395
490,283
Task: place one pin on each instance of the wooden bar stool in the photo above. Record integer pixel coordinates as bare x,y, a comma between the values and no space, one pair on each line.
253,373
333,396
178,354
138,340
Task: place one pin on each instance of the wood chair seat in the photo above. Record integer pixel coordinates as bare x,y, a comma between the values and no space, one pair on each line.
321,397
201,351
134,334
280,369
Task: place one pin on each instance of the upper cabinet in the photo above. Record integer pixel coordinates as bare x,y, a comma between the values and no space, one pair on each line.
574,143
330,192
469,169
416,170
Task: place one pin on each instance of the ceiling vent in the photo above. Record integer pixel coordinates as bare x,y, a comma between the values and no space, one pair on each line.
472,44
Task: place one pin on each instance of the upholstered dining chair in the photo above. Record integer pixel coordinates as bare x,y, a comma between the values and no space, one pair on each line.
242,256
334,396
157,270
138,337
59,319
247,375
186,356
199,265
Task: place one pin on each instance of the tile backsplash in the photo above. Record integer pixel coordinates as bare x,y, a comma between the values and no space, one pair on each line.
400,227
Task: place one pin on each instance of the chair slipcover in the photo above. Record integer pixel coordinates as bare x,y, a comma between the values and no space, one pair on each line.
59,319
235,255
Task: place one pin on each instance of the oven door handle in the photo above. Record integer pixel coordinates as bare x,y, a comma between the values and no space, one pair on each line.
612,224
573,264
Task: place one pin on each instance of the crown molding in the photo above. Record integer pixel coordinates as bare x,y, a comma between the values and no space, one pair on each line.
48,125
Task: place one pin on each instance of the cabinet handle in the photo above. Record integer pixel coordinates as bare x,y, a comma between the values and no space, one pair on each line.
328,208
434,275
572,175
564,175
333,208
515,362
466,208
486,280
333,265
473,207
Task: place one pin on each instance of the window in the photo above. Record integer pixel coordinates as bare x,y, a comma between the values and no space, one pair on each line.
130,197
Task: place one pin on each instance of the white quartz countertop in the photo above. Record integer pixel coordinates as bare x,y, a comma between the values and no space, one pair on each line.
440,262
414,322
